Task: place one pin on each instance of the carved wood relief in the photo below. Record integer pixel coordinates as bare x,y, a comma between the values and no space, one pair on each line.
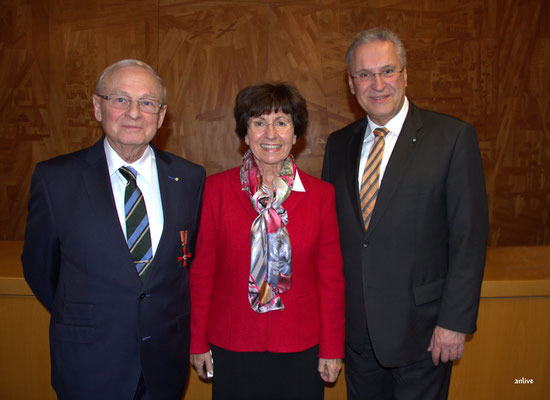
484,61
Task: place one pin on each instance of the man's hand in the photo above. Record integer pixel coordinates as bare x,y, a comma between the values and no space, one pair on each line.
203,363
329,368
446,345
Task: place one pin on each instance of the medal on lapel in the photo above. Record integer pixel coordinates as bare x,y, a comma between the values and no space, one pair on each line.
186,256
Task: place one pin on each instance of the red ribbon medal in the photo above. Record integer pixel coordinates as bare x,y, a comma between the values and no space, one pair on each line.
186,256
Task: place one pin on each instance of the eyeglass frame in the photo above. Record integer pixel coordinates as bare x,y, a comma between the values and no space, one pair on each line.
264,126
372,75
109,98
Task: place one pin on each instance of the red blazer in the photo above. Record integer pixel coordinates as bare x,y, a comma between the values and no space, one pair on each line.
314,305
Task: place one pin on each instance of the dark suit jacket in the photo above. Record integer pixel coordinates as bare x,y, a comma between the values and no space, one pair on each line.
314,305
421,261
106,325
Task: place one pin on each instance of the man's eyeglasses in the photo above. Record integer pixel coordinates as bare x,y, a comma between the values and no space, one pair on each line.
367,76
280,126
149,106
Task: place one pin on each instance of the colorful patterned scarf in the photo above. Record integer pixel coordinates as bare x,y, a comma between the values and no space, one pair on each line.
271,256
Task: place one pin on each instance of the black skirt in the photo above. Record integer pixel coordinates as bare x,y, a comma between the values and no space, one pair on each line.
266,375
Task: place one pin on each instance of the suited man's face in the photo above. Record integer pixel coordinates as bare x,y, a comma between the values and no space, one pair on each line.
381,98
130,130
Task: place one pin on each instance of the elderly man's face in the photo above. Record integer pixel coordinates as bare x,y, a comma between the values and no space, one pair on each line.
129,131
381,98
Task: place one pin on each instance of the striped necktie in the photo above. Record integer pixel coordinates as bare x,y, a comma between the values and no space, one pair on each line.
371,175
137,223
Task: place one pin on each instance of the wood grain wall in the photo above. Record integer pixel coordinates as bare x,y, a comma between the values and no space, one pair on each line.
484,61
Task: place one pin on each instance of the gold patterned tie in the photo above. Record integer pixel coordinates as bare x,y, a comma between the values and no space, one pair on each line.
371,175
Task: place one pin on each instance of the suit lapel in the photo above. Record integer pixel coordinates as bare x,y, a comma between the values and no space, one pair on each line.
354,149
398,163
98,185
174,199
168,183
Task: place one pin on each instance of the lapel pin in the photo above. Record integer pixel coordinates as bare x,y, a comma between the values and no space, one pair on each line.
175,178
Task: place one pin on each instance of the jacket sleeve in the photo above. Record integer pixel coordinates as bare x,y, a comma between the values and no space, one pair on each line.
330,281
197,213
325,172
467,214
41,251
203,272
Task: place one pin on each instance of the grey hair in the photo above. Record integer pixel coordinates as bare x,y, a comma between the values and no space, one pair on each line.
100,86
374,34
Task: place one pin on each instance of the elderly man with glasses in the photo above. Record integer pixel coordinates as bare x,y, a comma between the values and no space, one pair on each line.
412,211
107,249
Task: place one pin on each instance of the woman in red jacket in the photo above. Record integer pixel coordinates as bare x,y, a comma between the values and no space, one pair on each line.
267,288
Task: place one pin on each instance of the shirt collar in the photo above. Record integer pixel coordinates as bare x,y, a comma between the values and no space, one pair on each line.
298,186
395,124
144,166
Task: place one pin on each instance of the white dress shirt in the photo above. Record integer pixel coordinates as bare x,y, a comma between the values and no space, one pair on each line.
148,183
394,126
298,186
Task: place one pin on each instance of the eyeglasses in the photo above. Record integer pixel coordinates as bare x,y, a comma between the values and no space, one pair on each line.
367,76
149,106
279,126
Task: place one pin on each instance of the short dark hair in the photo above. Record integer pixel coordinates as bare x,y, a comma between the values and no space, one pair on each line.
266,98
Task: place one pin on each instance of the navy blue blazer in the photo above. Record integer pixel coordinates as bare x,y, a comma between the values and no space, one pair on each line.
420,263
107,326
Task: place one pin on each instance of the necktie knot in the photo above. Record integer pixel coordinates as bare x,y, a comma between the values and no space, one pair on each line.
129,173
381,132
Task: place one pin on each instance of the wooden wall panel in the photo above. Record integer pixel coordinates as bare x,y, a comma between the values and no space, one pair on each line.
83,41
506,332
25,349
519,171
23,105
210,50
484,61
295,54
511,341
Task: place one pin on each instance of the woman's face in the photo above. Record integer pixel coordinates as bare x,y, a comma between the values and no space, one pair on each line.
270,137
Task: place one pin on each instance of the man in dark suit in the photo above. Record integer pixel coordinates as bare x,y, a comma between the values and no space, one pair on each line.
107,248
412,210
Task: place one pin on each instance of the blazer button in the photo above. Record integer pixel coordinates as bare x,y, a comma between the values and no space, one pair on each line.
366,244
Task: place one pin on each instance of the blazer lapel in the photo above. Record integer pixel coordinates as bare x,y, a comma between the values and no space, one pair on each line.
398,163
354,149
296,197
173,198
96,178
243,198
168,182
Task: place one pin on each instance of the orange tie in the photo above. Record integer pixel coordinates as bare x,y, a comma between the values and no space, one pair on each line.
371,175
